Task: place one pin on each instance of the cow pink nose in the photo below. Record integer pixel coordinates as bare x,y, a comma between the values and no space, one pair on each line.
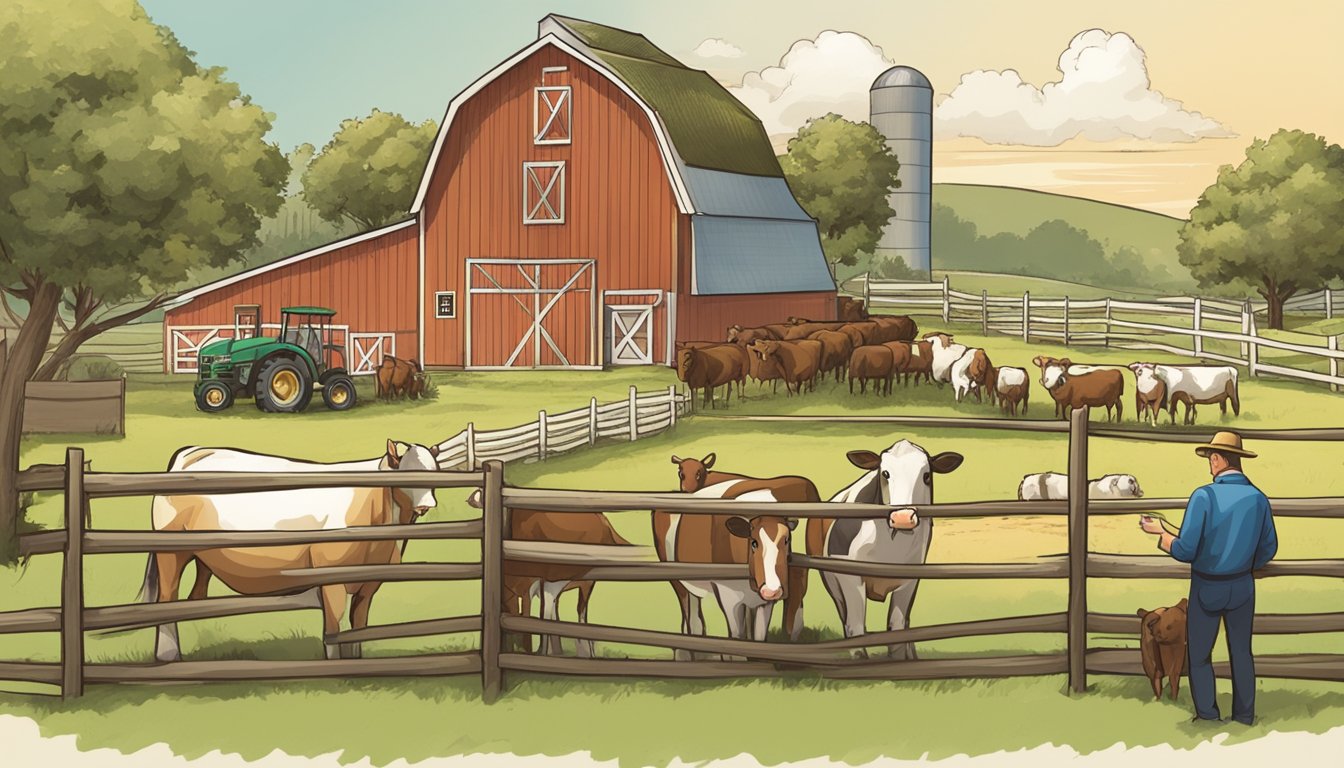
771,593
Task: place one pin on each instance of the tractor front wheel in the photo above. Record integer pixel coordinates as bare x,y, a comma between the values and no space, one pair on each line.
284,386
339,393
214,396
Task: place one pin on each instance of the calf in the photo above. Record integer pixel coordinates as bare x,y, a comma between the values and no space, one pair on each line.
799,361
1162,645
1197,385
396,377
1074,386
1011,387
876,363
945,353
836,348
1053,486
706,368
1150,392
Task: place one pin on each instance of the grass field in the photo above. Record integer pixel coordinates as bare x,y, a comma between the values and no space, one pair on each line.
852,722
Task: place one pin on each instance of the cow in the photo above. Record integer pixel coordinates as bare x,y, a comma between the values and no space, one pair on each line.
983,375
396,377
1053,486
945,353
799,361
900,476
895,328
970,373
707,368
739,335
805,330
1011,387
1197,385
762,543
874,362
1074,386
257,570
835,351
1150,392
847,308
1164,645
901,352
920,364
860,333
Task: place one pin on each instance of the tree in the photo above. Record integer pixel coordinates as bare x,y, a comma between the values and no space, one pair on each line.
123,165
1272,221
841,173
369,171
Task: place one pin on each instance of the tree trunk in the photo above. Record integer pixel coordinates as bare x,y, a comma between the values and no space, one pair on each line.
24,357
1275,311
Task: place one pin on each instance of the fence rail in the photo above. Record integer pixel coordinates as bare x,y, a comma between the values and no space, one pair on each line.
501,557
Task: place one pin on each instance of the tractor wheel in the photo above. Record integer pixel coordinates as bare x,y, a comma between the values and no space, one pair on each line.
214,397
284,386
339,393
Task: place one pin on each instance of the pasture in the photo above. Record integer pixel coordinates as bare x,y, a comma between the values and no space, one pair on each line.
850,721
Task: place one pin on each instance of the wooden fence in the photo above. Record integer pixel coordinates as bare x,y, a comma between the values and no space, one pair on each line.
1208,329
760,659
75,406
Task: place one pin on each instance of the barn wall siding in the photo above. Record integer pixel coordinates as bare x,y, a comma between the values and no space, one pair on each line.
706,318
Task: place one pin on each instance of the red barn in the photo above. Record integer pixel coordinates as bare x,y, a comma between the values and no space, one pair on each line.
588,202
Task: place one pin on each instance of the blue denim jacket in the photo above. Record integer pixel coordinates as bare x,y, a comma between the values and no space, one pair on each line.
1228,528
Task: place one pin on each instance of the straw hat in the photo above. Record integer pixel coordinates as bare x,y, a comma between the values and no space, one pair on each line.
1225,442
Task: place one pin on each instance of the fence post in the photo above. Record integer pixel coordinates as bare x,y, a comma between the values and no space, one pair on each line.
984,312
672,405
867,294
1253,358
634,414
72,581
471,446
1026,316
541,434
592,421
1245,329
1066,321
492,577
947,301
1106,340
1332,344
1077,621
1329,297
1199,326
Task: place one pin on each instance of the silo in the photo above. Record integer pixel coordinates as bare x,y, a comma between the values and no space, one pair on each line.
901,101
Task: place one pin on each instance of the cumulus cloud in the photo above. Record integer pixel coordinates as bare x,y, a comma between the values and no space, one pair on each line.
1104,95
829,74
718,48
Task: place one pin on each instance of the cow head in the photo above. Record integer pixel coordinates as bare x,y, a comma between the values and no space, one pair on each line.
1129,485
1145,376
938,339
692,472
415,458
733,331
769,539
1167,625
978,371
764,349
903,473
1054,372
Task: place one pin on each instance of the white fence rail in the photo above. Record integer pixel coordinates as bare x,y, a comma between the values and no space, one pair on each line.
1182,325
640,415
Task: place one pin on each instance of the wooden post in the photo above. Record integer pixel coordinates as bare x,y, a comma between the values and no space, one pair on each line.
492,578
1332,344
947,301
867,291
672,405
541,434
1329,297
1106,340
471,446
1245,329
1066,321
72,581
1199,326
592,421
1253,357
1026,316
984,312
1077,617
634,414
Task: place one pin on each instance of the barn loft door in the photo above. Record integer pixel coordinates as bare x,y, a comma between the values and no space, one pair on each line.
531,313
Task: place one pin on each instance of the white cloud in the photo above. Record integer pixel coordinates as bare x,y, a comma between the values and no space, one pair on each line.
829,74
1104,95
718,48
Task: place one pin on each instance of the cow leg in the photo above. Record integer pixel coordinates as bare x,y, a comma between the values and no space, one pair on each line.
359,617
201,588
793,604
584,648
695,624
333,610
762,624
853,605
898,617
550,611
169,566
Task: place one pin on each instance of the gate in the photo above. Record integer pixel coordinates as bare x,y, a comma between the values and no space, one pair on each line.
531,313
629,326
367,351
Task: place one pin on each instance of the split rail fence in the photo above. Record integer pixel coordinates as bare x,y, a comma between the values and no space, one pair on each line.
760,659
1208,329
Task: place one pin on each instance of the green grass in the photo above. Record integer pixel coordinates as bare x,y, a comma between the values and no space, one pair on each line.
850,721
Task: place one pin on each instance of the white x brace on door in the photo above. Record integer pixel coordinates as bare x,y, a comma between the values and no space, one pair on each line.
541,298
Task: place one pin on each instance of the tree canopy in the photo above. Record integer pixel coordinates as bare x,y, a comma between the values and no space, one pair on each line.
369,172
841,173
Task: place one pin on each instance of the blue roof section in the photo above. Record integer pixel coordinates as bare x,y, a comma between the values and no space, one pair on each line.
746,255
719,193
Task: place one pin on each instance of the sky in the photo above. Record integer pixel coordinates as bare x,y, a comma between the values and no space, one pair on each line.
1135,102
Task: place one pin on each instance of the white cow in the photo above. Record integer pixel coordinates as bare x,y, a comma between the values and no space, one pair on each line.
902,475
1053,486
959,374
261,570
945,353
1196,385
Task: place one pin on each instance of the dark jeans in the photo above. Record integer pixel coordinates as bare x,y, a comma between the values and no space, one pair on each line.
1231,600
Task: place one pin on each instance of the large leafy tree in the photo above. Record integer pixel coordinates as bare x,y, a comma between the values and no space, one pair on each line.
123,165
841,172
369,171
1272,221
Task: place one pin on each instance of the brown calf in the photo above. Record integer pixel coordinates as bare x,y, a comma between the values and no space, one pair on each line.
399,378
1162,645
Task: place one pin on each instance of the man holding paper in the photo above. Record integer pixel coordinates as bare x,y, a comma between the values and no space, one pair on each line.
1228,532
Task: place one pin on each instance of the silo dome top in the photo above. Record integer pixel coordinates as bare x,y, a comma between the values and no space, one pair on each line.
897,77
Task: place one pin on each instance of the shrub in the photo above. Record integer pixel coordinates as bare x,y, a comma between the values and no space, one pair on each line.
93,368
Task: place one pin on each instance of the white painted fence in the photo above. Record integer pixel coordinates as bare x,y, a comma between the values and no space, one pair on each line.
639,415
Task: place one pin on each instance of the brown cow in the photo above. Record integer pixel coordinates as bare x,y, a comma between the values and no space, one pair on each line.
902,352
874,362
835,351
739,335
920,364
763,543
1074,386
981,372
1162,645
399,378
894,328
706,368
799,361
847,308
860,333
804,330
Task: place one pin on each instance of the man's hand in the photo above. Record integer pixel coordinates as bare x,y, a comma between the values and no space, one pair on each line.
1151,525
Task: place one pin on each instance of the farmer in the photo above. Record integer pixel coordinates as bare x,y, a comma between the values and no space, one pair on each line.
1227,533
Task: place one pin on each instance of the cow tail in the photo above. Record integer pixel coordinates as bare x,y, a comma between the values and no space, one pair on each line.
149,590
1236,396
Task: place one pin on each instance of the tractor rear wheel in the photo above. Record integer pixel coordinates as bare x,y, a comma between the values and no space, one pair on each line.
284,386
215,396
339,393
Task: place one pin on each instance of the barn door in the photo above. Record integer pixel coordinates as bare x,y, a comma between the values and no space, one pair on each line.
630,334
530,313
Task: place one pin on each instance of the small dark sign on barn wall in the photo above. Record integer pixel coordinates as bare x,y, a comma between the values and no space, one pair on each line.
445,305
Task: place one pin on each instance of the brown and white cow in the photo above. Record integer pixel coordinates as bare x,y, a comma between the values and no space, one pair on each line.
762,543
1011,387
262,570
1074,386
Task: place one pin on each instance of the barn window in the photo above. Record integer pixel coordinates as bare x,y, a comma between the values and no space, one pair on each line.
551,113
544,193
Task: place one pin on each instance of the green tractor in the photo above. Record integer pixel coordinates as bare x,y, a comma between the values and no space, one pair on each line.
279,373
